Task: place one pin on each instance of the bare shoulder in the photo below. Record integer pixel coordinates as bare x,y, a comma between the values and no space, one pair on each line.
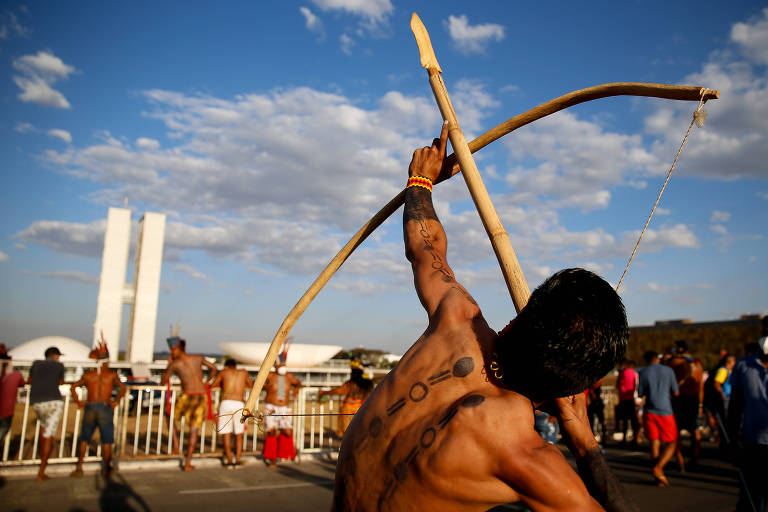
542,477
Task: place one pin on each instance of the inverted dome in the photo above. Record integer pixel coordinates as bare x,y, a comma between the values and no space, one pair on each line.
299,355
32,350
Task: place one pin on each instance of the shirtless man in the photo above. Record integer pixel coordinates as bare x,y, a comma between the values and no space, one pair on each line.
452,426
688,404
281,388
193,402
99,409
233,383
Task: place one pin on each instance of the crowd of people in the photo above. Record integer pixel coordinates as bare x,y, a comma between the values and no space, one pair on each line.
674,393
198,377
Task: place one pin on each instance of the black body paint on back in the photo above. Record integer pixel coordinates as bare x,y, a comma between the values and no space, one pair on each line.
463,367
418,392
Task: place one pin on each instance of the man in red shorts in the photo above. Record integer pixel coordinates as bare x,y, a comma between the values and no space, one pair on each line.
658,384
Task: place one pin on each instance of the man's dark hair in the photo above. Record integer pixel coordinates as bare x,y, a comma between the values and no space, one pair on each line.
682,346
764,323
571,333
650,355
231,363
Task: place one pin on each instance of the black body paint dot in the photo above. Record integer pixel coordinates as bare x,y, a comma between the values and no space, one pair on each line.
463,367
473,401
418,392
374,428
428,437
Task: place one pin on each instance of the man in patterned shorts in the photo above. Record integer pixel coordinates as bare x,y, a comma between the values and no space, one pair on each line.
193,404
45,377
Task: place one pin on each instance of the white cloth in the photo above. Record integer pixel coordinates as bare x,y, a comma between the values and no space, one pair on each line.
49,413
230,414
277,422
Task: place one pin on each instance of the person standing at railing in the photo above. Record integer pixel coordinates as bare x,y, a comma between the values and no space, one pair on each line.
193,404
45,377
99,409
281,388
10,382
355,391
233,383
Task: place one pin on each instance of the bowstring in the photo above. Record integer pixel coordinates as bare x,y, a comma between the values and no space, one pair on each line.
699,116
252,419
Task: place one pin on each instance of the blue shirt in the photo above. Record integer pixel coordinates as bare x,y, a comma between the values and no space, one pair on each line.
657,385
751,378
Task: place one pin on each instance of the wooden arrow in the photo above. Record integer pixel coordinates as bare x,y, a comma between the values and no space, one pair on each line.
510,267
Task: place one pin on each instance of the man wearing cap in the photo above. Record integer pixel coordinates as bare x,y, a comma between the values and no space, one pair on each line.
193,404
45,377
281,388
748,408
10,381
99,411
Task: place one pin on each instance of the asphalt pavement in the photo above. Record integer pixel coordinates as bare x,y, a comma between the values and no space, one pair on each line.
161,486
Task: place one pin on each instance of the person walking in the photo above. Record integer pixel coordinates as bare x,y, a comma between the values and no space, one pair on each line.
658,384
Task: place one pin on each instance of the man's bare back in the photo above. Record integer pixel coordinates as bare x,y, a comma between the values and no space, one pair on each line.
442,431
233,383
100,384
421,440
189,369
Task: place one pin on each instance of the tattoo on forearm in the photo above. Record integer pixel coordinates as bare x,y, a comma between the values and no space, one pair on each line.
602,483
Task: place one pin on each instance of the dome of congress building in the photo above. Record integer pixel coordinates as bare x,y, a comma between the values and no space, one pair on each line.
72,350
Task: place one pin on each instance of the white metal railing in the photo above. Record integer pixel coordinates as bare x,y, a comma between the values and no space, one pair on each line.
143,429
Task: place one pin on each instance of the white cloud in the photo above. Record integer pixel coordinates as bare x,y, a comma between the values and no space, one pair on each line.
24,127
19,247
3,257
148,144
719,229
734,141
313,23
71,276
38,73
372,11
190,271
753,38
61,134
346,43
472,38
10,27
576,161
718,216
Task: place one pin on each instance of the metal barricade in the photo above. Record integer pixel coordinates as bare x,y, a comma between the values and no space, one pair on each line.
144,428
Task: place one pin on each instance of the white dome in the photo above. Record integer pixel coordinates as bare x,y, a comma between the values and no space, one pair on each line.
299,355
32,350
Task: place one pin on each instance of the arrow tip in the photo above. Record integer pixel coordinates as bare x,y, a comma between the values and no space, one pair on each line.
427,54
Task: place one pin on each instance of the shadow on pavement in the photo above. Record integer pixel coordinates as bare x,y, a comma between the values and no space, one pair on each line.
117,495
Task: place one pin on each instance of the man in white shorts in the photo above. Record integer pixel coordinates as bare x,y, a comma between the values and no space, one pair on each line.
233,383
45,377
281,388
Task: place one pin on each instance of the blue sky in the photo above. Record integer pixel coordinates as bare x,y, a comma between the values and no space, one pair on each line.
269,132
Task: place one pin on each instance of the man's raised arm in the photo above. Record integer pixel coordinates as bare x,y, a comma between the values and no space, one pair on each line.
425,241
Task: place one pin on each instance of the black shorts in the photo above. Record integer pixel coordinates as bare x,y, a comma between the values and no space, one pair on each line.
686,409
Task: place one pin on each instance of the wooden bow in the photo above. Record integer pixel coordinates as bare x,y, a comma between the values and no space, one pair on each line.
672,92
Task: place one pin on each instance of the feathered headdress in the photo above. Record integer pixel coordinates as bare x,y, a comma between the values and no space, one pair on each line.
100,351
174,340
282,357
